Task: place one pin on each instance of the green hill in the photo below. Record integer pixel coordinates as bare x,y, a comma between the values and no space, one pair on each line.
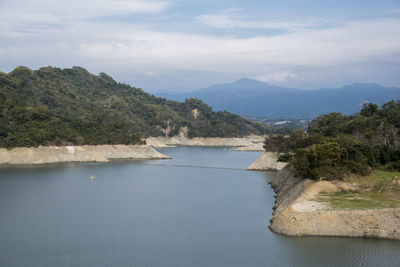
52,106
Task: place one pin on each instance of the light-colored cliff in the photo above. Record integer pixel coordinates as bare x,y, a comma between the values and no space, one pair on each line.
267,162
298,213
254,142
100,153
255,147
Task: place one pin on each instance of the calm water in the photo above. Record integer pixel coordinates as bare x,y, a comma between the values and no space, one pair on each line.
160,213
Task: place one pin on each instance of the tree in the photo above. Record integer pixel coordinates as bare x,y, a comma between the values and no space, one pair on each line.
369,109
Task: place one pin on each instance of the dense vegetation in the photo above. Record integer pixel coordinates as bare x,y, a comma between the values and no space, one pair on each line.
53,106
336,145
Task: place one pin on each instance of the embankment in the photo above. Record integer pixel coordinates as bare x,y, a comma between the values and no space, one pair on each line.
54,154
297,213
253,142
103,153
267,162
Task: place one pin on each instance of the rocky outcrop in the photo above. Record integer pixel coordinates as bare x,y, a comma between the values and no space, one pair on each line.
267,162
181,140
297,214
100,153
157,142
287,187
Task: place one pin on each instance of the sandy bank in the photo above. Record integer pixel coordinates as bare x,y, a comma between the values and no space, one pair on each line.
267,162
298,214
253,142
54,154
255,147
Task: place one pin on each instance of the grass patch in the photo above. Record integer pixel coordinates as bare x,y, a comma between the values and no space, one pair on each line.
357,200
380,189
377,176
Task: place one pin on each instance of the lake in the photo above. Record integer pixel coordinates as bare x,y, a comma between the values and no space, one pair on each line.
199,209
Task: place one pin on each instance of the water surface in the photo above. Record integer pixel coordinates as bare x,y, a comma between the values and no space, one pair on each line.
160,213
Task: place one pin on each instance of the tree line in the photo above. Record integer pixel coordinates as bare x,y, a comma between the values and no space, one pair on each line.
336,145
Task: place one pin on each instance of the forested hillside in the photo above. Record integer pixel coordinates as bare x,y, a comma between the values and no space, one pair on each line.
336,145
53,106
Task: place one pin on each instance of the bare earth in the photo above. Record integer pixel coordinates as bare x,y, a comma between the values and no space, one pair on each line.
54,154
103,153
252,142
267,162
297,212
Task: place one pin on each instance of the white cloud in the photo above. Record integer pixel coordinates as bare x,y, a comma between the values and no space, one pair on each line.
61,35
229,19
276,77
133,45
20,17
352,42
79,9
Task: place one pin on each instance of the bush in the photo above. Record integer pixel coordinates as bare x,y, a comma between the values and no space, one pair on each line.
285,157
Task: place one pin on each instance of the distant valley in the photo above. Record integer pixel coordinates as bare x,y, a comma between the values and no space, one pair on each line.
253,98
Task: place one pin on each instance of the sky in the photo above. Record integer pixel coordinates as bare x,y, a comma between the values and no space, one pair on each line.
182,45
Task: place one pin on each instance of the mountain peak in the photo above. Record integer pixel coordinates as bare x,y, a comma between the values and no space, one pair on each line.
248,81
245,79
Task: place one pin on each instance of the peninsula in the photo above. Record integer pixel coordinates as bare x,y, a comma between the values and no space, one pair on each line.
86,153
343,176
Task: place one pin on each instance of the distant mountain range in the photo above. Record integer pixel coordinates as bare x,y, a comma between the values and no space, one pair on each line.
249,97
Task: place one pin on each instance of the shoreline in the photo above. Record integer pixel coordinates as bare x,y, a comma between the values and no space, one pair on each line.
248,143
86,153
105,153
296,213
267,162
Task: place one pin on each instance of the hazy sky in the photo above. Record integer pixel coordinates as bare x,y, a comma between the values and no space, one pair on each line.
178,44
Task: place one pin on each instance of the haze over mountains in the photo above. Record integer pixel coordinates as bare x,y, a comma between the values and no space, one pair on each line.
249,97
